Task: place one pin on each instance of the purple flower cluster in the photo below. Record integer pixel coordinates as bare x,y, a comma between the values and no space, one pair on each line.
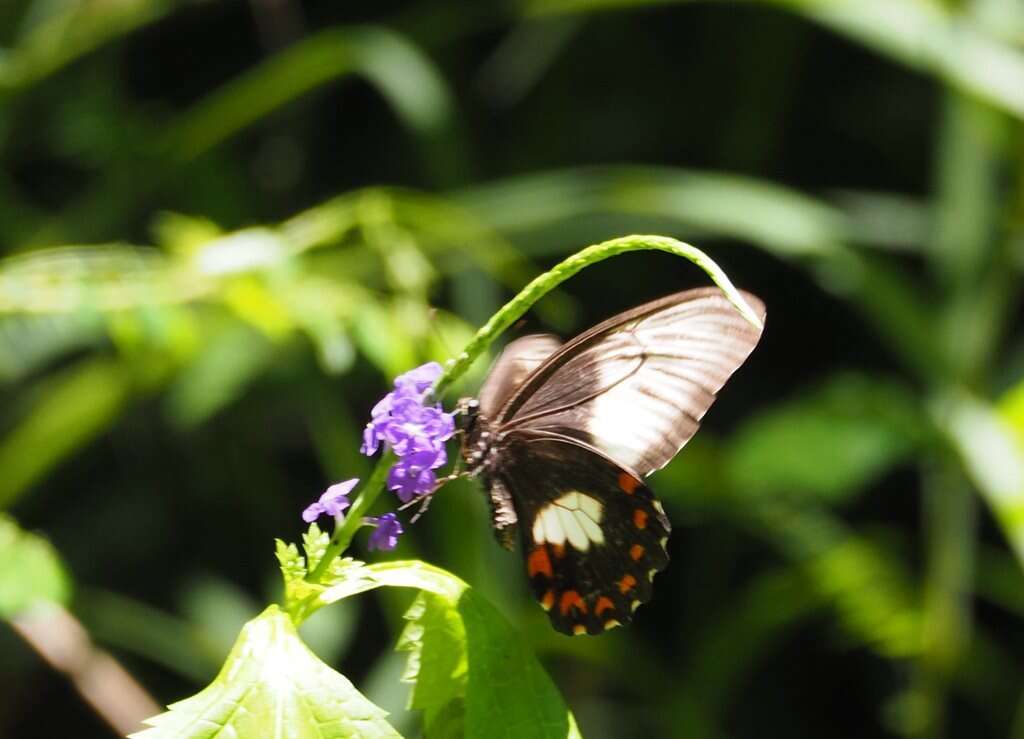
416,432
332,502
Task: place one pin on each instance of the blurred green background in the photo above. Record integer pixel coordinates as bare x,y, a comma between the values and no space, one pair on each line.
225,225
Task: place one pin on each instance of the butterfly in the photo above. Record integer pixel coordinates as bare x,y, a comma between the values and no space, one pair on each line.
563,435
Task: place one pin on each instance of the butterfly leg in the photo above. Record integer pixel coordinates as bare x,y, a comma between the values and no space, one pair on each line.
424,500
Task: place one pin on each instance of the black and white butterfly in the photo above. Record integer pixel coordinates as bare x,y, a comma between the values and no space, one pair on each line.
563,435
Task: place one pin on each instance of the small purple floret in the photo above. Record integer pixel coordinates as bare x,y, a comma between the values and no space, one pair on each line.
414,431
385,536
409,480
420,379
333,501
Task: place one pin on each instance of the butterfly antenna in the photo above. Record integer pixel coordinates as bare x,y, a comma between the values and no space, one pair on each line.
423,508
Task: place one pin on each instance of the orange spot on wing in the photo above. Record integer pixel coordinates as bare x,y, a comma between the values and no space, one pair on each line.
636,552
559,550
548,600
628,483
626,583
538,563
604,603
579,630
640,518
571,599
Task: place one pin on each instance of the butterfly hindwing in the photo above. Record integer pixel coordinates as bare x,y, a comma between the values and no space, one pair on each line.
593,535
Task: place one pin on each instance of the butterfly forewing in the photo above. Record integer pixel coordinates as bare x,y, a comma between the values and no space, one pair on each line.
637,386
593,535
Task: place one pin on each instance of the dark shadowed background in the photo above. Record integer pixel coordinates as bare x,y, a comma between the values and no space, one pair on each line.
270,208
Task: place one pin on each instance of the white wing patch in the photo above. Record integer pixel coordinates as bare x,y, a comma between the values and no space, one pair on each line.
575,517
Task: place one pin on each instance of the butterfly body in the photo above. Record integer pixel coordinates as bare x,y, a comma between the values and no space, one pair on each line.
563,435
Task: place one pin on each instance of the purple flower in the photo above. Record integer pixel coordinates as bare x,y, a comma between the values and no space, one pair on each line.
385,536
414,431
408,480
421,379
333,501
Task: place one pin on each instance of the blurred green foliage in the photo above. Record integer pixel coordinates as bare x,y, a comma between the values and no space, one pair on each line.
227,225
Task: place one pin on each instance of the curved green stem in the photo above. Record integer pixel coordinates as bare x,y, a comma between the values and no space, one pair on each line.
514,309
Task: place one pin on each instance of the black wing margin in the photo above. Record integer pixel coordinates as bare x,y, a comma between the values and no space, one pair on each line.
593,535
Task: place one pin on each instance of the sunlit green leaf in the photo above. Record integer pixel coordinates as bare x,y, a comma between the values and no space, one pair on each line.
30,341
1011,408
110,277
381,336
466,650
183,234
992,457
786,223
777,217
75,30
271,683
435,638
869,587
30,571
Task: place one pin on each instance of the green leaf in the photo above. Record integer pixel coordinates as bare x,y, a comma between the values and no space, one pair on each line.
1011,409
106,278
231,360
469,668
829,443
542,207
869,586
872,595
379,333
272,685
435,638
407,80
992,457
72,408
781,220
76,29
919,33
28,342
30,571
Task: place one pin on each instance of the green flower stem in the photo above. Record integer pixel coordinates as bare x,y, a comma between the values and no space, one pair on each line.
363,502
505,317
513,310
